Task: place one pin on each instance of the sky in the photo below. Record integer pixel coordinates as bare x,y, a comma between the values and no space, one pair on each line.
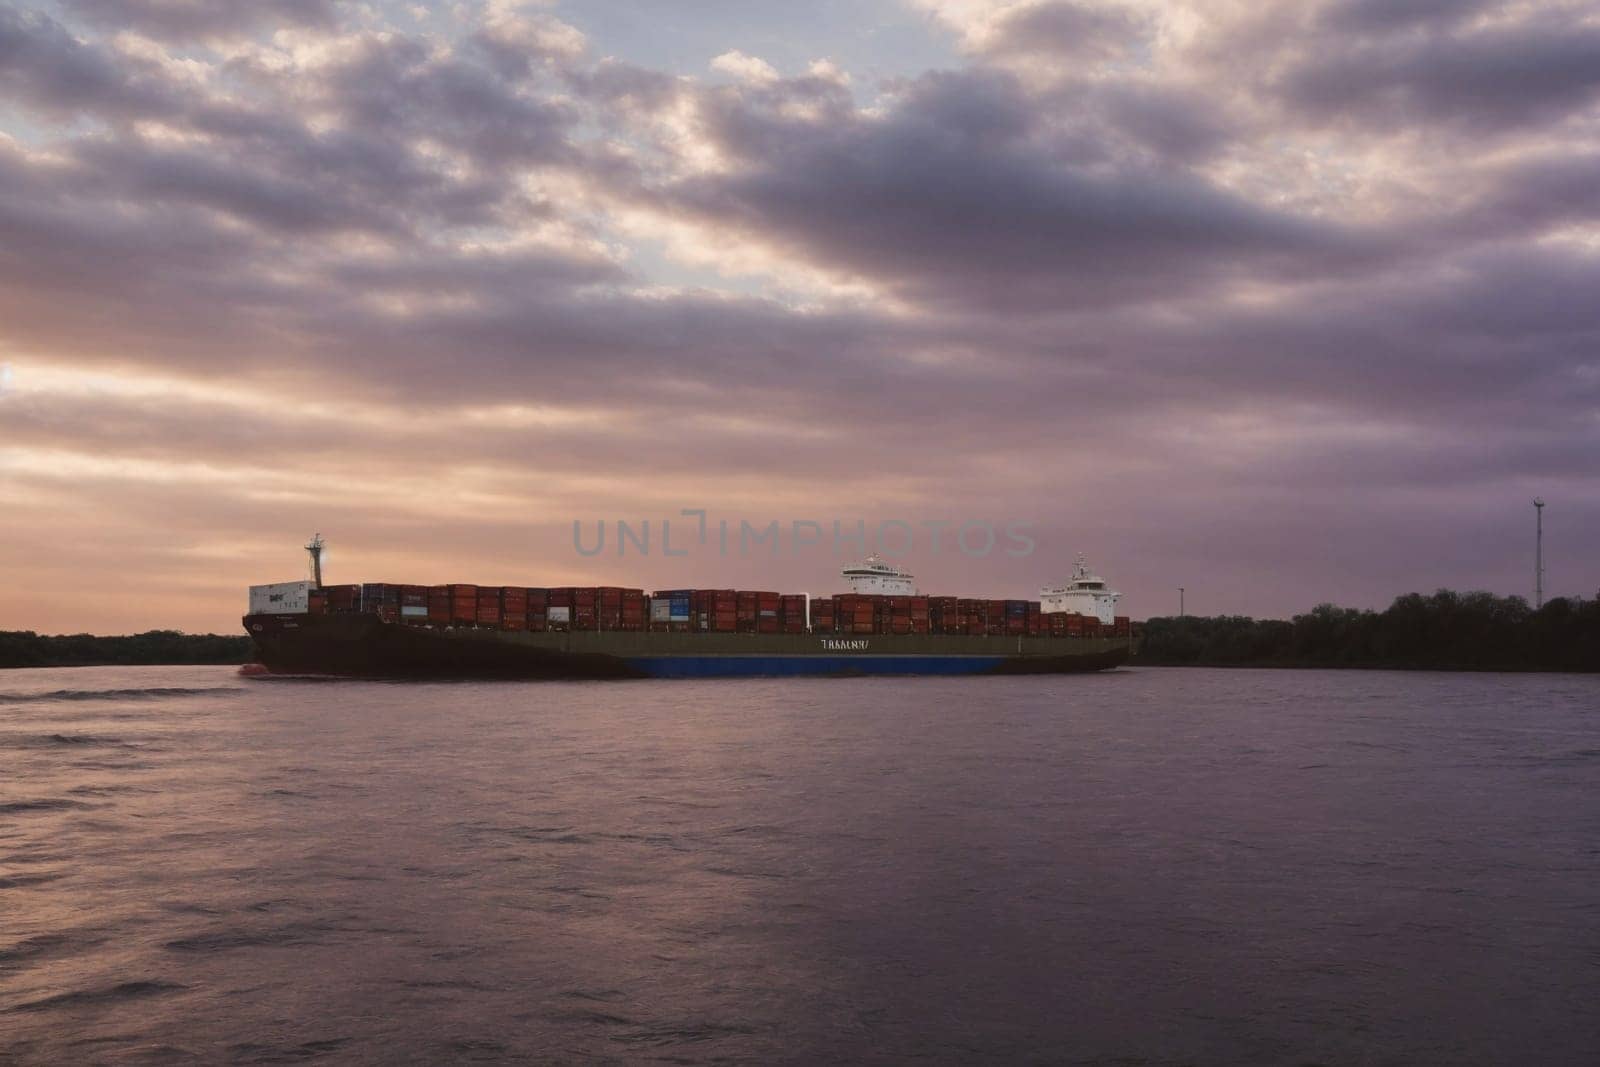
1281,303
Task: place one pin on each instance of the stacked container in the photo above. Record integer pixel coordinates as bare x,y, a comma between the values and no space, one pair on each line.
489,605
718,611
343,598
768,617
414,604
855,613
585,609
514,607
633,608
792,613
381,599
538,610
464,605
703,610
560,608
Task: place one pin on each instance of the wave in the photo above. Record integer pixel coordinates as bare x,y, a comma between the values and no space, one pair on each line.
69,695
69,741
51,804
124,991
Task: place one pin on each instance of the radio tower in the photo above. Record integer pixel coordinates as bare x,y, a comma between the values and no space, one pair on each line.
1538,553
315,548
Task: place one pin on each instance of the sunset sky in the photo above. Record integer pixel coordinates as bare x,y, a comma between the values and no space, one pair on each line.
1284,303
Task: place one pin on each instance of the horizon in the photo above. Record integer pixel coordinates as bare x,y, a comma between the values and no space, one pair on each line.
1285,304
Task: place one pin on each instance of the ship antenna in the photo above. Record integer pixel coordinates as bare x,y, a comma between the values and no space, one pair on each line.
315,548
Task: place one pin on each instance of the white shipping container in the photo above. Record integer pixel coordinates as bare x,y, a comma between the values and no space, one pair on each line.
660,610
560,615
280,598
412,611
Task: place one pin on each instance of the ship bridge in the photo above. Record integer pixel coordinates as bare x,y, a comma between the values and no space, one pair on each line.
1085,593
876,575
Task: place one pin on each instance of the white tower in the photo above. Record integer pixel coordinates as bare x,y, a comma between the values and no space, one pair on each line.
1538,553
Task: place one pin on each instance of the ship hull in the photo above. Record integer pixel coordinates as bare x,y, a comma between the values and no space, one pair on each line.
365,646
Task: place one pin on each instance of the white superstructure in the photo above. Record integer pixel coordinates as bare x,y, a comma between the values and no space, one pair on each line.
1085,593
876,576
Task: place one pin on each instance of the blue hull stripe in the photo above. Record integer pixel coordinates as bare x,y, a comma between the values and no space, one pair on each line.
769,666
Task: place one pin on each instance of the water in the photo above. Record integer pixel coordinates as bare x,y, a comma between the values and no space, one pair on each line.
1146,867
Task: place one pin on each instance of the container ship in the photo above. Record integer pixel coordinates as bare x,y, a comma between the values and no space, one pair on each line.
883,626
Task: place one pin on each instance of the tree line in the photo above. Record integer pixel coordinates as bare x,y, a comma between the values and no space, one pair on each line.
24,648
1445,631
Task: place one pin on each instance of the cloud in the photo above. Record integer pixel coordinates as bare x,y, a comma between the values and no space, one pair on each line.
187,20
1385,16
518,36
46,67
746,68
963,194
1492,78
1064,30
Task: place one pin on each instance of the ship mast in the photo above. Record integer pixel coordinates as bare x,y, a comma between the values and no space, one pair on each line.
315,548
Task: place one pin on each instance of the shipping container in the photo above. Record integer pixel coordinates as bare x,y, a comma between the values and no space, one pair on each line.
280,598
439,609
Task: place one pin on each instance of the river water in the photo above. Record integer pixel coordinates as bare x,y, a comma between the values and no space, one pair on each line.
1143,867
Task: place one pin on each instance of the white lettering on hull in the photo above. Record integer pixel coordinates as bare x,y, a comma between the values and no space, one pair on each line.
834,644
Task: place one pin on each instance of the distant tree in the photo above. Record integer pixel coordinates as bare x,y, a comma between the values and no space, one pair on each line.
25,648
1445,631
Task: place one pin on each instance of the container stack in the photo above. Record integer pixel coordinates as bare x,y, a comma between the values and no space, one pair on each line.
343,598
464,605
792,613
585,609
559,615
438,605
381,599
704,611
719,610
632,610
514,607
538,610
767,607
414,605
489,605
671,610
855,613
